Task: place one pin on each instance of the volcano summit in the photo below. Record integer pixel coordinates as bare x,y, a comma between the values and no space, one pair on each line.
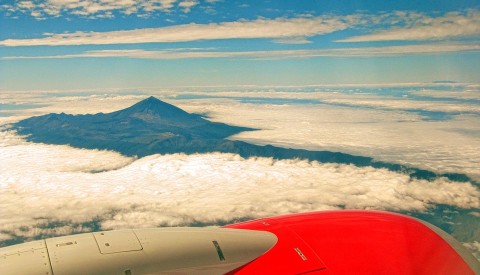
148,127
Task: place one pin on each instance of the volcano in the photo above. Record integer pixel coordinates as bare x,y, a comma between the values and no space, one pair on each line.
148,127
152,126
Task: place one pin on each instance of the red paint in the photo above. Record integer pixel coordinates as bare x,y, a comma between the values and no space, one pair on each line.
352,242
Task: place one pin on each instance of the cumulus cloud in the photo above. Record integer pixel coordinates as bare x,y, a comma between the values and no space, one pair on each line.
417,26
40,9
274,54
51,185
187,5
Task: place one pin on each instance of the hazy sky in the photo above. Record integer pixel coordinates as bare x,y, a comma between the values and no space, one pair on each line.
70,44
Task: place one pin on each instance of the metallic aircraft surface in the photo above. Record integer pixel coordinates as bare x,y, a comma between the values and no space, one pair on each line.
327,242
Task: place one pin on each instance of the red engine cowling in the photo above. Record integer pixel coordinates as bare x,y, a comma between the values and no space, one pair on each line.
357,242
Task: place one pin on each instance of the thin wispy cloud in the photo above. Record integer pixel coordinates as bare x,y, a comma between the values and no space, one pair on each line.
393,26
274,54
470,93
403,104
415,26
259,28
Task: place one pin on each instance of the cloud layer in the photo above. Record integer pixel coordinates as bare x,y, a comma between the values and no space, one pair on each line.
349,119
47,184
384,127
50,190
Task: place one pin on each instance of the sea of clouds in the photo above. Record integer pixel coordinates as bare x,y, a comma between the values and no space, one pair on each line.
54,183
386,129
50,190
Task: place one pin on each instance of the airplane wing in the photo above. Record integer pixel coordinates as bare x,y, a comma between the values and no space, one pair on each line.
326,242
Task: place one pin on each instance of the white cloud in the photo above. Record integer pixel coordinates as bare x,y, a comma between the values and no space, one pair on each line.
187,5
74,160
402,104
474,248
42,184
89,101
389,134
259,28
293,40
470,93
25,4
58,190
96,8
415,26
275,54
383,27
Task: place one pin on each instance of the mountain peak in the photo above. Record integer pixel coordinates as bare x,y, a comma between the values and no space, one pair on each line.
151,100
153,103
153,106
147,127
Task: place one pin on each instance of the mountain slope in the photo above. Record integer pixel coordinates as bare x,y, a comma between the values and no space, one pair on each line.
152,126
148,127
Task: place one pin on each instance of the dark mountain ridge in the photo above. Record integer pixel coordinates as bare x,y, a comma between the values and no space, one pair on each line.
152,126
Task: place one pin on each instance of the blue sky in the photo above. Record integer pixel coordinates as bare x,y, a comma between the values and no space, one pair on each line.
95,44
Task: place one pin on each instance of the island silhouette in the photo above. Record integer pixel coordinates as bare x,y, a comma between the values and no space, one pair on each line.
153,126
